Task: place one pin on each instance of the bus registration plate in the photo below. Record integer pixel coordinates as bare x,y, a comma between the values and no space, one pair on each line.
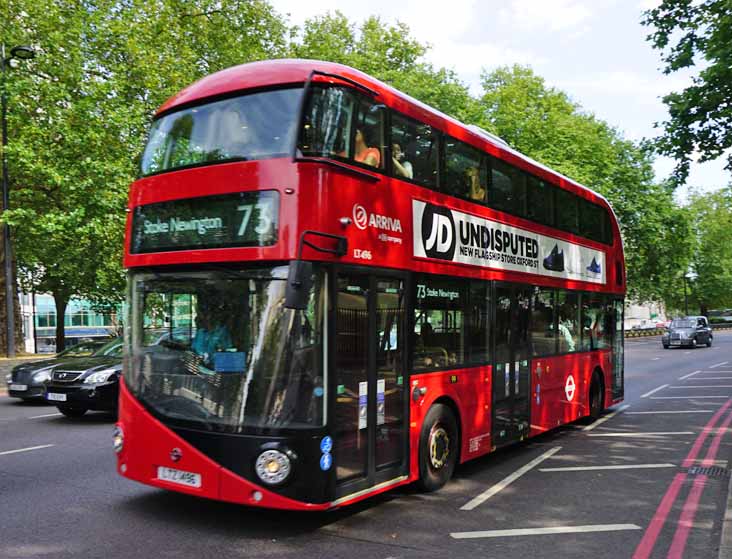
180,477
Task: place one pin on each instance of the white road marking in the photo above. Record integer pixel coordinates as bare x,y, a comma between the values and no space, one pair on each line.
654,391
662,412
646,434
602,420
505,482
593,468
689,375
44,415
26,449
655,359
718,365
684,397
702,386
544,531
712,378
717,371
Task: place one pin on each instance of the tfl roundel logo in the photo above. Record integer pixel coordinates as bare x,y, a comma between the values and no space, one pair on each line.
360,216
438,232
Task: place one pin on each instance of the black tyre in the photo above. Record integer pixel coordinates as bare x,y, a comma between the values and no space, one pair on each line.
665,346
596,397
709,341
71,412
438,448
694,342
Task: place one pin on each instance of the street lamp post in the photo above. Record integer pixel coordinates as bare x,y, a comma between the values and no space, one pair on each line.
18,53
686,299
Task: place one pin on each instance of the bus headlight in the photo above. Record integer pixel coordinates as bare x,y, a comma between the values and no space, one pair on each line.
118,439
273,467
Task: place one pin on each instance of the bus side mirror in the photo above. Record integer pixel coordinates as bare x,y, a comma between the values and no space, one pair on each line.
299,284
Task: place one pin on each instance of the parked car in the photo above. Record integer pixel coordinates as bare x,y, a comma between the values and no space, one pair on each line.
87,384
26,380
691,331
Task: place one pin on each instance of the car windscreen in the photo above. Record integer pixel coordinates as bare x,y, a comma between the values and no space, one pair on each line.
683,324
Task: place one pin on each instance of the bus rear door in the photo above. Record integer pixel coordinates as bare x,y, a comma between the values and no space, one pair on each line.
511,364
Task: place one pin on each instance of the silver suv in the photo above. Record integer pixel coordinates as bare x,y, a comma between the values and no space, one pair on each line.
690,331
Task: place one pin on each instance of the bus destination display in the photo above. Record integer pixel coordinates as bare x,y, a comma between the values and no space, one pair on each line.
243,219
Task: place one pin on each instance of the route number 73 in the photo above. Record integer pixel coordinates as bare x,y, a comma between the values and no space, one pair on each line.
264,223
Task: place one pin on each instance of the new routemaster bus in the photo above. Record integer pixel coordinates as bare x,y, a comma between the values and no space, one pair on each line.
335,290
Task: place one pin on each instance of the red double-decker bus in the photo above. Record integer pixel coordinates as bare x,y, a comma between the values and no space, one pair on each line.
335,290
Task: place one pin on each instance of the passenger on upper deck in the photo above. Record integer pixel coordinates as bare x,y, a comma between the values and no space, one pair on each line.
476,191
402,168
364,152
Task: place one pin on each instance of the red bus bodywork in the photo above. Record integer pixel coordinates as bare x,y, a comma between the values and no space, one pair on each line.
316,196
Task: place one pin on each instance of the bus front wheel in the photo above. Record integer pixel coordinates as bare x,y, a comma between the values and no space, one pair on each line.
596,397
438,448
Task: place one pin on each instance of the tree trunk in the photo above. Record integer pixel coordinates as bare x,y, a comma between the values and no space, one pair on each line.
61,301
18,330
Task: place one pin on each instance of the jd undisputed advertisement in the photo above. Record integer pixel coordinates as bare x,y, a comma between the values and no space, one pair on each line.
451,235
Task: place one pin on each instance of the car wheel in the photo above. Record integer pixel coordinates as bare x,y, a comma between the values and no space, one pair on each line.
665,346
709,341
693,342
438,448
71,412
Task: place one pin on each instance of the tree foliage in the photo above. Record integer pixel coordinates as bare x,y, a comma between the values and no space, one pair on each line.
711,282
80,111
695,33
387,52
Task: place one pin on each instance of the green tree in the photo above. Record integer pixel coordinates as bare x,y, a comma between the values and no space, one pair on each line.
545,124
711,286
81,113
387,52
694,33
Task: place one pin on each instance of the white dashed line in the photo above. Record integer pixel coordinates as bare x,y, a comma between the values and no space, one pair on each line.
685,397
689,375
702,386
606,418
621,467
26,449
719,364
662,412
544,531
45,415
654,391
646,434
505,482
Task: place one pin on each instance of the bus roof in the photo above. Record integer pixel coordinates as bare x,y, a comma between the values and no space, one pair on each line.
284,71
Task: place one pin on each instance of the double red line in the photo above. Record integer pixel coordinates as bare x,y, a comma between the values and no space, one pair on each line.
688,511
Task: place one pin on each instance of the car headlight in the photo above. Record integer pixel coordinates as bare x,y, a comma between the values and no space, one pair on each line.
42,376
9,377
100,376
273,467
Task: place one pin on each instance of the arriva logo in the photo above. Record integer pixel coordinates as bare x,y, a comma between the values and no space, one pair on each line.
438,232
360,216
363,219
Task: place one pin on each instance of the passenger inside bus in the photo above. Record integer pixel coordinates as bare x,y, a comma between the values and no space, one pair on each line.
402,168
475,190
364,152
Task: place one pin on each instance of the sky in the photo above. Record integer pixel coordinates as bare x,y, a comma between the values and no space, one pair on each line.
594,50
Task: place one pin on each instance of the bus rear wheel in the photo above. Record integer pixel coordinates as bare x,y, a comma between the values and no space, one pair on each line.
438,448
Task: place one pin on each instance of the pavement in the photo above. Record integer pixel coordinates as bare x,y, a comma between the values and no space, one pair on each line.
650,479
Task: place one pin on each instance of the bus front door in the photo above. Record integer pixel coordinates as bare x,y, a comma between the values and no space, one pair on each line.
369,423
511,364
